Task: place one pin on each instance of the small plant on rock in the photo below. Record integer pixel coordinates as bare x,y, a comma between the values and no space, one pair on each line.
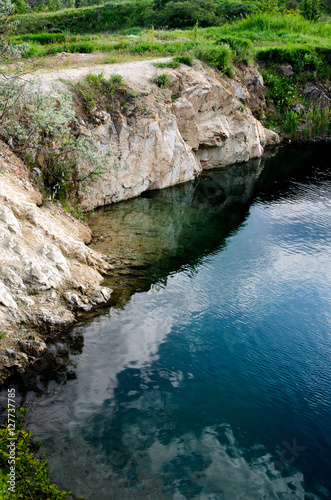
162,80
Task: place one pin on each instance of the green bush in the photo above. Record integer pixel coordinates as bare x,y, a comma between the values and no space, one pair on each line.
161,80
188,60
303,59
180,14
311,9
234,9
95,19
242,48
279,90
168,64
21,7
215,55
31,472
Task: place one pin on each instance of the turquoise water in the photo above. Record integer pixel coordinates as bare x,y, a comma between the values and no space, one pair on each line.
209,377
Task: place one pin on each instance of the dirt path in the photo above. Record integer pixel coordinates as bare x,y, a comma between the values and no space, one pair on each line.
137,74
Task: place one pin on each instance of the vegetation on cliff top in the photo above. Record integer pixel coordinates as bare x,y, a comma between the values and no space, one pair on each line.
268,36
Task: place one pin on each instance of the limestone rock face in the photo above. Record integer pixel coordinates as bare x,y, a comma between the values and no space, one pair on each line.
148,153
42,253
158,143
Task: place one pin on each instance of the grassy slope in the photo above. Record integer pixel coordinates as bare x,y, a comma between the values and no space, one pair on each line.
267,39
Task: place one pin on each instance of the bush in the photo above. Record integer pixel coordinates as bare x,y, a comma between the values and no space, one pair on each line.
31,473
21,7
303,59
218,56
37,126
180,14
279,90
168,64
188,60
243,49
233,9
106,17
311,9
161,80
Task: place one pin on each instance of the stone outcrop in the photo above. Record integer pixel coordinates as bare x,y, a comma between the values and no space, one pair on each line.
165,137
316,97
46,270
157,138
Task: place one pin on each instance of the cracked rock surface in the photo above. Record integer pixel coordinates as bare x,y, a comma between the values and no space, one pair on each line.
46,270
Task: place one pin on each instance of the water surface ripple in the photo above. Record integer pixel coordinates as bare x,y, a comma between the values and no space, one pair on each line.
209,378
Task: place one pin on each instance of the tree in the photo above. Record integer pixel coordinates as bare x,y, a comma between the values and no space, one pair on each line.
311,9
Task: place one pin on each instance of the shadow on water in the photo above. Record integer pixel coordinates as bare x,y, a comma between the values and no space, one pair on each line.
161,232
150,239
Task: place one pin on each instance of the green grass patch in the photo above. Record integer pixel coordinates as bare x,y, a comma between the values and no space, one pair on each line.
161,81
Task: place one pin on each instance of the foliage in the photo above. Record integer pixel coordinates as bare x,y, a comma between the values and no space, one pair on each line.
306,61
195,32
311,9
31,472
218,56
184,13
242,48
269,6
187,59
21,7
168,64
161,80
279,90
9,52
317,123
308,125
97,89
37,126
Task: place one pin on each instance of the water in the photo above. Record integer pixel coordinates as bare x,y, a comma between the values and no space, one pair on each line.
209,377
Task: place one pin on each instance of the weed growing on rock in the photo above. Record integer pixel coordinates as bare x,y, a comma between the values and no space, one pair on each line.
161,81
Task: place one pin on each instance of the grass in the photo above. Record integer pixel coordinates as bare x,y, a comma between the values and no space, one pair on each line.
258,36
267,39
162,80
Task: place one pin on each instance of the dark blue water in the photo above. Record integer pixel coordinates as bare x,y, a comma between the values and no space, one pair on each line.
210,376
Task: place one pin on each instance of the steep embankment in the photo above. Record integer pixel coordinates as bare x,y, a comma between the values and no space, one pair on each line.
158,138
163,136
46,270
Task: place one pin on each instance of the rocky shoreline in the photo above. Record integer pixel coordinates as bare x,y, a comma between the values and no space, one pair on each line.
47,272
161,138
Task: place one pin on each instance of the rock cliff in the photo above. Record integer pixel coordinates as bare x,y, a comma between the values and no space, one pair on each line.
46,270
158,138
167,136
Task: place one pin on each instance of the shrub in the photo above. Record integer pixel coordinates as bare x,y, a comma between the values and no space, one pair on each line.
242,48
318,123
218,56
188,60
37,128
21,7
179,14
97,89
311,9
31,472
161,80
234,9
291,123
168,64
279,90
